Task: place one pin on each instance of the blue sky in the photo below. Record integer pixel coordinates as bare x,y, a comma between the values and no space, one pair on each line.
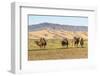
67,20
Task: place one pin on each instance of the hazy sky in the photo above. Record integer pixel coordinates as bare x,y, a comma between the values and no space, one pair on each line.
68,20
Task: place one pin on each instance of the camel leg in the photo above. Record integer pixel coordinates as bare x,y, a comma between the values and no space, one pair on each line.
77,45
67,46
44,46
40,47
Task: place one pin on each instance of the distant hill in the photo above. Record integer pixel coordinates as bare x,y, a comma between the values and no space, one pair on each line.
52,26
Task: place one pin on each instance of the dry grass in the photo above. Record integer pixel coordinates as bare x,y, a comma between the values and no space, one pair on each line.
60,53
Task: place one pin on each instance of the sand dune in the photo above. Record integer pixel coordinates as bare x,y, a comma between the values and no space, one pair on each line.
56,34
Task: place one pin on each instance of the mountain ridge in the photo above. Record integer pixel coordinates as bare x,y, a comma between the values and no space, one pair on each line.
53,26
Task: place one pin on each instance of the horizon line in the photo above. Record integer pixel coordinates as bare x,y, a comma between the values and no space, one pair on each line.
56,23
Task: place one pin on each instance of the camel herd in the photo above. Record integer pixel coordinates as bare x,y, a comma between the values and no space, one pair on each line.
76,41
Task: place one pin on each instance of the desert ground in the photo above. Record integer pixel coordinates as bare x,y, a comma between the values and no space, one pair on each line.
54,50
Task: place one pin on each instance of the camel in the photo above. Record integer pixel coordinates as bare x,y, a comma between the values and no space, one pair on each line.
41,43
